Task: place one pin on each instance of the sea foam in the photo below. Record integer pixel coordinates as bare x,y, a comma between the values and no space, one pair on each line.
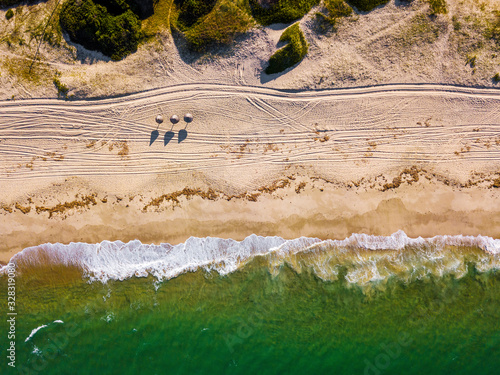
366,258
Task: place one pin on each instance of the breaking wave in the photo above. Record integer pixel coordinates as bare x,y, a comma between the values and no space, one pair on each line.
364,258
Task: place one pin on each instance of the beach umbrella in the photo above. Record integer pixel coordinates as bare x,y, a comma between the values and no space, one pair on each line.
159,119
174,119
188,117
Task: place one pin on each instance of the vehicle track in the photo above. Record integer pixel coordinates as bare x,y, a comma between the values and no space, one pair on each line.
241,127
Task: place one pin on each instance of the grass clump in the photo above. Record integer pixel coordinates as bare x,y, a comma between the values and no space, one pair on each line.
366,5
226,20
62,89
292,53
438,7
496,78
336,10
9,14
471,60
493,30
93,26
280,11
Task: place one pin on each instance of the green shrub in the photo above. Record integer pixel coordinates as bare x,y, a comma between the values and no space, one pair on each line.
366,5
92,26
496,77
227,19
292,53
438,7
9,14
283,11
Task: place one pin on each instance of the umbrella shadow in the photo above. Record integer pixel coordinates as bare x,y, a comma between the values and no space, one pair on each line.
168,137
154,135
182,135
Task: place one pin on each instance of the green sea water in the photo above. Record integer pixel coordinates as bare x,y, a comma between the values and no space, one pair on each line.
253,321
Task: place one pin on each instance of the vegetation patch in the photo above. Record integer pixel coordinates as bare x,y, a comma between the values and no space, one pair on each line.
493,30
190,11
62,89
336,10
438,7
9,14
226,20
26,70
366,5
420,30
292,53
95,27
159,21
267,12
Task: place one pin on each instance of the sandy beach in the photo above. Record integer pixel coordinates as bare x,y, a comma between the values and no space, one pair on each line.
420,158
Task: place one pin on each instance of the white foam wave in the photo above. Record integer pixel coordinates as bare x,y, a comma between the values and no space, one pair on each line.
39,328
367,257
35,331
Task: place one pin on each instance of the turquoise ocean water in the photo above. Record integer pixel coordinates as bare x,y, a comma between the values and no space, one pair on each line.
365,305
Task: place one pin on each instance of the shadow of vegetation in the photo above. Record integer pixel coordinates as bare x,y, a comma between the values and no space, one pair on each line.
154,136
264,77
168,137
368,5
402,3
5,4
84,55
182,135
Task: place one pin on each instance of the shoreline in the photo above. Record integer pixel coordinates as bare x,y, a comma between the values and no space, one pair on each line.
303,207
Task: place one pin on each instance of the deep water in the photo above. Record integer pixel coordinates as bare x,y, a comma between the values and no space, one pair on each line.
254,322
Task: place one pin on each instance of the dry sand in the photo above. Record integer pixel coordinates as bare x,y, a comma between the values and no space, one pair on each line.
395,43
421,158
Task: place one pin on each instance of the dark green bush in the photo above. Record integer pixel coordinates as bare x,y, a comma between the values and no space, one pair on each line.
283,11
292,53
496,77
142,8
366,5
92,26
9,14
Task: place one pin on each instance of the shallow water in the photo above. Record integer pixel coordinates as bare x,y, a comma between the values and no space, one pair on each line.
423,307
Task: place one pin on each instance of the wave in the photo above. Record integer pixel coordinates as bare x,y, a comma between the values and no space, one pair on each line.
365,258
34,331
